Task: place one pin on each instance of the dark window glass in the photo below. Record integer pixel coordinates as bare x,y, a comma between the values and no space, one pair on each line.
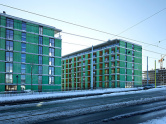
9,23
23,68
51,61
40,40
40,69
9,45
9,34
23,57
40,60
40,49
40,30
51,51
23,36
51,70
51,42
9,78
24,26
125,44
9,67
51,80
23,47
9,56
22,79
40,79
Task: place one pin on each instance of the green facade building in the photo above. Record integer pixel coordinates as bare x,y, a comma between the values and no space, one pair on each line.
30,55
115,63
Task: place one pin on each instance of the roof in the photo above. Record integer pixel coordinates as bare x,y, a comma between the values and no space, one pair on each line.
25,20
97,46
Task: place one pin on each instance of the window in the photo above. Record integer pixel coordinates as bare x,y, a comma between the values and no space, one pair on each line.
51,61
125,58
40,49
9,23
23,47
9,56
118,70
51,51
51,42
51,80
125,44
40,40
40,60
23,57
22,79
23,68
40,79
125,51
9,67
9,45
24,26
51,70
132,46
9,34
40,30
23,36
40,69
9,78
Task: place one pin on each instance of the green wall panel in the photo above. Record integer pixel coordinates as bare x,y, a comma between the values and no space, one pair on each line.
18,24
3,21
58,43
17,35
3,32
45,50
16,67
17,46
17,57
32,28
48,31
46,41
2,44
58,52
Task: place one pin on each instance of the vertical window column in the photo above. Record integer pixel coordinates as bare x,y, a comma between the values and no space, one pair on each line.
51,60
23,57
9,56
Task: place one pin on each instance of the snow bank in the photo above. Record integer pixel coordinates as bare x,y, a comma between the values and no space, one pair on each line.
71,94
156,121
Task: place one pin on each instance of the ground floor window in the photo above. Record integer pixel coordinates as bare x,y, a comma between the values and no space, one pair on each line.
10,87
129,84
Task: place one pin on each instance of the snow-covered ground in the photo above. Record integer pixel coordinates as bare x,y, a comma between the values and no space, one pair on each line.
161,120
113,91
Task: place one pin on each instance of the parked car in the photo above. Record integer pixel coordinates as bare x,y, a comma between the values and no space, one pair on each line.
148,86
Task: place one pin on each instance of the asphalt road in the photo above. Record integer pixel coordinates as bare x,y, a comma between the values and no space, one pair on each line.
44,111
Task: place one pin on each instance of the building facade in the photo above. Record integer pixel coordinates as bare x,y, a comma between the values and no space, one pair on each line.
115,63
160,77
30,55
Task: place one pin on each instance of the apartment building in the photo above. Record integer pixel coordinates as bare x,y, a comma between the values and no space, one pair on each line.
30,55
115,63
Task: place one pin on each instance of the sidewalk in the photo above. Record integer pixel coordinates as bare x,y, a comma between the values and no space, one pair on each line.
61,95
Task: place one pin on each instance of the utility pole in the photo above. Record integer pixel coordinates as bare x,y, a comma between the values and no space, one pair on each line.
31,77
92,69
147,70
155,73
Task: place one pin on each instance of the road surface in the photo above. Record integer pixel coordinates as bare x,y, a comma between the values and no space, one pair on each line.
93,109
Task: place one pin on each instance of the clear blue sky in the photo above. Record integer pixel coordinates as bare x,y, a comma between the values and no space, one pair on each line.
111,16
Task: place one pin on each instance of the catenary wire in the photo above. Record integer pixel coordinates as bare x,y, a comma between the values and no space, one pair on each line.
77,25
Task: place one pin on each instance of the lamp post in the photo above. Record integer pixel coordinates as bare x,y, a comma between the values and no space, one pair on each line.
31,77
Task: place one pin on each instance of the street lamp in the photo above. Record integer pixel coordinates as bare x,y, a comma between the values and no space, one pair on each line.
31,77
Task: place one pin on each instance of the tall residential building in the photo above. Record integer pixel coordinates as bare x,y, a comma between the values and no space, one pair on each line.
30,55
115,63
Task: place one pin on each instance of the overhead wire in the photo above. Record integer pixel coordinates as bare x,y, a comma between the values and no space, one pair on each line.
77,24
